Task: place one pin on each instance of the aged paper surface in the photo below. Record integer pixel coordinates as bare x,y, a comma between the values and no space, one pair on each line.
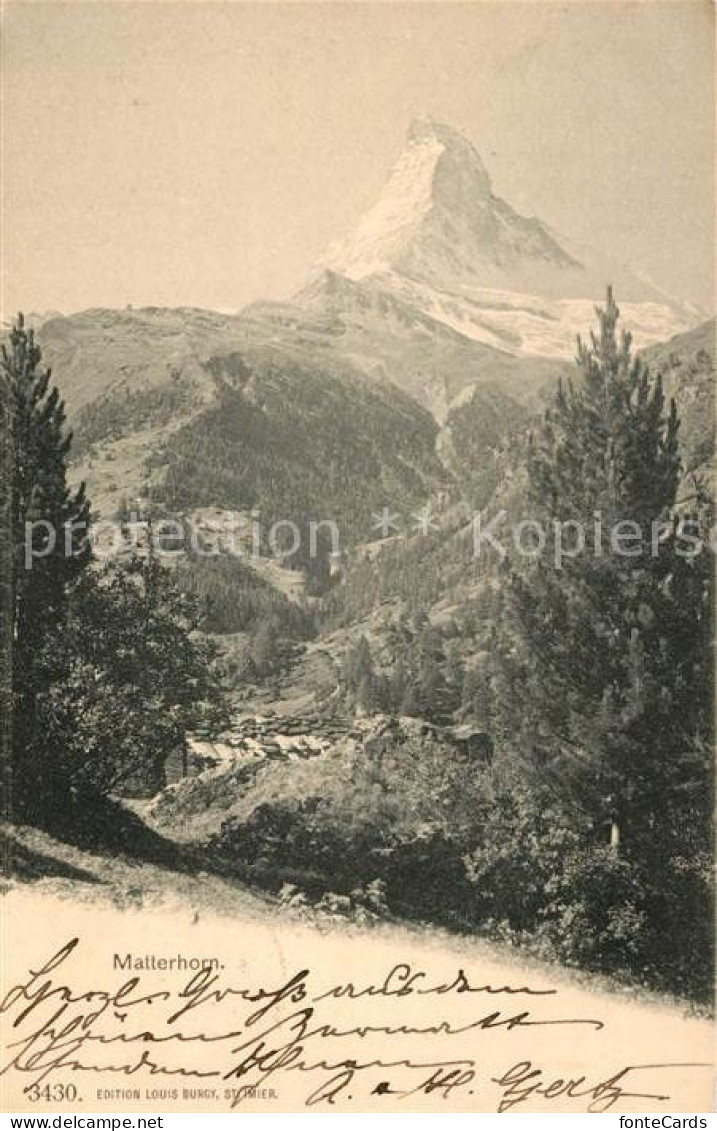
357,732
306,1041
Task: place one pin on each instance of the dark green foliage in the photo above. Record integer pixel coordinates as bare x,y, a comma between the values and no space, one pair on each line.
301,445
482,428
686,366
46,557
399,809
127,678
236,598
108,672
610,656
420,679
594,675
610,653
122,411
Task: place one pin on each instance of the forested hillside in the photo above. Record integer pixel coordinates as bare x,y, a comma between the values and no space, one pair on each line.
301,443
560,707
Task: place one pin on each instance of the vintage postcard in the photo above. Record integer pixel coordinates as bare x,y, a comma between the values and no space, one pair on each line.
356,557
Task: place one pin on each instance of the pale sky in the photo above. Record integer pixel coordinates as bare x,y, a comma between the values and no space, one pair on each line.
205,154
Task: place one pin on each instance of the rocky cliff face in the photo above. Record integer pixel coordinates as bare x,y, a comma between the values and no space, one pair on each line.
443,242
438,220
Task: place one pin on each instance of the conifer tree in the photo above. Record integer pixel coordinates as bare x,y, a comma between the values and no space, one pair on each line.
604,679
358,663
48,524
128,677
108,673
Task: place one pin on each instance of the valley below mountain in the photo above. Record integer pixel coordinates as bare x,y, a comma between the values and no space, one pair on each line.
357,504
397,387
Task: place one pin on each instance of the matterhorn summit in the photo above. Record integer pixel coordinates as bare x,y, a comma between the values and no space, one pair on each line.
441,240
437,220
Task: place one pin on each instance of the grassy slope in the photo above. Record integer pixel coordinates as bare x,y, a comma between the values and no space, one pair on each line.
138,880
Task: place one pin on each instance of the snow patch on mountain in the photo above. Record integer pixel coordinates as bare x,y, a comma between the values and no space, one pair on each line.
438,223
437,219
459,259
526,325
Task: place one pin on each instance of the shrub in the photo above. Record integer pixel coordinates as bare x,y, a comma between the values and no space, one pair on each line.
681,949
436,838
522,844
595,911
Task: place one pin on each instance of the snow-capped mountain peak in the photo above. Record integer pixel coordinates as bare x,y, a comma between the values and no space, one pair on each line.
459,161
442,262
437,220
387,230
